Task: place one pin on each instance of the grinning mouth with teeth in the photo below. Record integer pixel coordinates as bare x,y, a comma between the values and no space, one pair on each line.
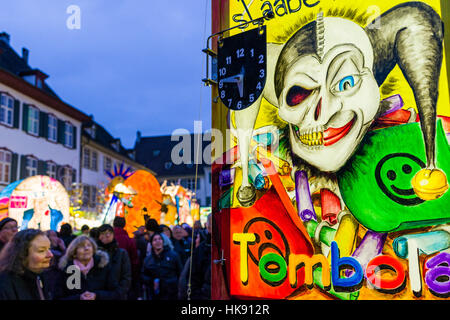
319,137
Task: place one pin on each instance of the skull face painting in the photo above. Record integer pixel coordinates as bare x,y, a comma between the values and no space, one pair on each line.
325,82
330,101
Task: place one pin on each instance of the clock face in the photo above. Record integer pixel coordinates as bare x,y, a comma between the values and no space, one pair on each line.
241,63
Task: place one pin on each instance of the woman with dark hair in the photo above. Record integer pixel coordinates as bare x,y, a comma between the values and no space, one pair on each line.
22,264
161,270
8,228
86,273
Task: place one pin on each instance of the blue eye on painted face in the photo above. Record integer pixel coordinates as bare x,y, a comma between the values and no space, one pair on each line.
346,83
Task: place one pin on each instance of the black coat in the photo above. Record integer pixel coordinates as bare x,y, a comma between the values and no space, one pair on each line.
68,239
183,248
120,266
167,268
201,271
99,280
141,246
2,244
23,287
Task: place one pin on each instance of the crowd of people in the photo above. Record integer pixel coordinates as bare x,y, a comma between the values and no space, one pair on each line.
158,263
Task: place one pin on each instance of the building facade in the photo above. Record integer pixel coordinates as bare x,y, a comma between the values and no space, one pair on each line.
39,133
101,153
178,160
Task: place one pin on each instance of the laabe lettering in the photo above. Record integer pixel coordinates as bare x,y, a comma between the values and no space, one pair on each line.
278,7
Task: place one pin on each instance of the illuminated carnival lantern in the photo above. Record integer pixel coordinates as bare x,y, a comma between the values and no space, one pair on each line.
116,193
38,202
146,201
132,195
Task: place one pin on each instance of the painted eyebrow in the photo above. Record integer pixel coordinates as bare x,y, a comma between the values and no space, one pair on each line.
342,58
307,76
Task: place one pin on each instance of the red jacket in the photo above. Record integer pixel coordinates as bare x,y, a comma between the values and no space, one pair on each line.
125,242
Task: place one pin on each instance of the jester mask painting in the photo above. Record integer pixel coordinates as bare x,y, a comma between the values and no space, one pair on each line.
337,185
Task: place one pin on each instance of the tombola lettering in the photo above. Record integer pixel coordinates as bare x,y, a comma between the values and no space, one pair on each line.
331,275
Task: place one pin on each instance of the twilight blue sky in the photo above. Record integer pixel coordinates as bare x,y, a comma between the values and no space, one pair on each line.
133,64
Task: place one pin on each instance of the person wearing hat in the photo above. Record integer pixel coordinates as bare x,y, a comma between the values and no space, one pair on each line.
8,228
120,262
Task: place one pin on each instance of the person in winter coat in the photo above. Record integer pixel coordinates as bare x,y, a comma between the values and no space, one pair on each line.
201,267
118,257
8,228
140,238
181,245
22,267
86,273
161,270
125,242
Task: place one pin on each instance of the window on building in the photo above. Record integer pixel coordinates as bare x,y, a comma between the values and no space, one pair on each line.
93,197
51,169
6,110
5,166
86,158
107,164
32,165
33,120
171,181
94,161
89,197
85,197
91,131
52,128
39,83
68,135
116,145
67,177
90,159
190,184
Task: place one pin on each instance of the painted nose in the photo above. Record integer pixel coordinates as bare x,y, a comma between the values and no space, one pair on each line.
318,110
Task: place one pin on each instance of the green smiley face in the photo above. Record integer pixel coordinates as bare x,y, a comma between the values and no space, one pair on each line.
394,173
376,183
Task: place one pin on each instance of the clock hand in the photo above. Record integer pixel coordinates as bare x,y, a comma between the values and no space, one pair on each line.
239,80
240,85
233,79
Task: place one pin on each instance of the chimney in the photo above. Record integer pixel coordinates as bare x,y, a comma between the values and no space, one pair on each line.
25,54
138,136
4,37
